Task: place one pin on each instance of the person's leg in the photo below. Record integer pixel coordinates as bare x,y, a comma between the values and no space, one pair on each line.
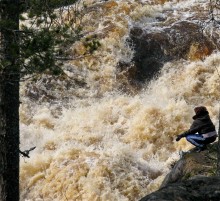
196,140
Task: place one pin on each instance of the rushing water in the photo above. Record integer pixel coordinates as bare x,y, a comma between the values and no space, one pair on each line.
96,143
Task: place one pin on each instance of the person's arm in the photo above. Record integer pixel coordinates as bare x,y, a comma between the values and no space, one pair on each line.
194,128
184,134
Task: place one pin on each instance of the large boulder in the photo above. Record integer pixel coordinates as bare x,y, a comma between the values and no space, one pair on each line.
193,164
191,178
153,47
200,188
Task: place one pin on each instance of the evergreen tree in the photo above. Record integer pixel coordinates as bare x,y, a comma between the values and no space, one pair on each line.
33,46
9,101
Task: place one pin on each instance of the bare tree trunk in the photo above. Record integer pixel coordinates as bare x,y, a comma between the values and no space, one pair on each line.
9,101
2,142
218,154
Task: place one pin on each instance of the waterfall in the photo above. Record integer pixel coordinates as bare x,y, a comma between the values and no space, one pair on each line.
96,141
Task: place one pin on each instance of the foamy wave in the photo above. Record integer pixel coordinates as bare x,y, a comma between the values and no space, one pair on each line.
111,146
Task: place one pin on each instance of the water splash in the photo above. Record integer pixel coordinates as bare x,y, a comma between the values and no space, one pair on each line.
102,144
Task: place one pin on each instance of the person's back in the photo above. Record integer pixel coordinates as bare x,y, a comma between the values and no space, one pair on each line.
202,131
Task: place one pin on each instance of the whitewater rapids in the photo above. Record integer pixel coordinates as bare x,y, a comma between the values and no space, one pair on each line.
101,144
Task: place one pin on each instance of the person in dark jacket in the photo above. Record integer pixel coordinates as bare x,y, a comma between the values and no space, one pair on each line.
202,131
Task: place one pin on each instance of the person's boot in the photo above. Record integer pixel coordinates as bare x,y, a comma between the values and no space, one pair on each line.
199,149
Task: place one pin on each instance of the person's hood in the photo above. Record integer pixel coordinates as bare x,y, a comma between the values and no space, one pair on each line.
204,114
200,111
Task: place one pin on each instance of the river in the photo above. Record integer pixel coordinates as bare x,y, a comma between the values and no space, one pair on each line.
97,142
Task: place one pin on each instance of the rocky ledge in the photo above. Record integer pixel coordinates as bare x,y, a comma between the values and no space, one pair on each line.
200,188
191,178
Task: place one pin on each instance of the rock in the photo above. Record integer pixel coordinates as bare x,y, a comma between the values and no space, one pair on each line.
202,189
191,178
176,174
155,47
193,164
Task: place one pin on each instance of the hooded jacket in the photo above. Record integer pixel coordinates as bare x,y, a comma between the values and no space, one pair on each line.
201,124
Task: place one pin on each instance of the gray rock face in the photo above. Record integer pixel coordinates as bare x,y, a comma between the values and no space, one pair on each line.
191,179
201,189
175,175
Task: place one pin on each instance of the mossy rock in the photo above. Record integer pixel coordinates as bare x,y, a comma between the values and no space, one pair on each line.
194,164
191,178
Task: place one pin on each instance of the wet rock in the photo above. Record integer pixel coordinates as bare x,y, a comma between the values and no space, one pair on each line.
126,71
155,47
